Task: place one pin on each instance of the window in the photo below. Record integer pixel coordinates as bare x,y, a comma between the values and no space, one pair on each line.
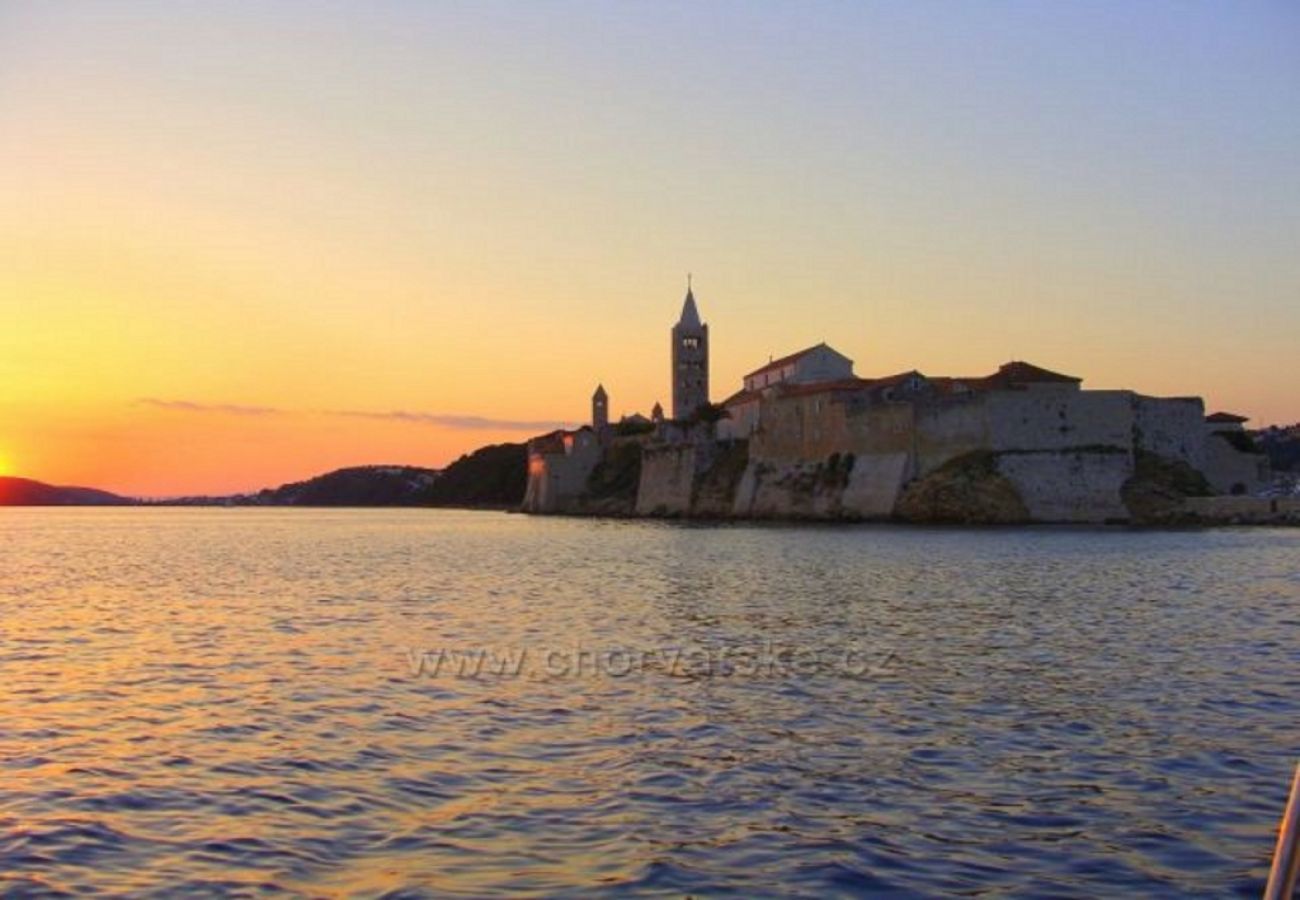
691,343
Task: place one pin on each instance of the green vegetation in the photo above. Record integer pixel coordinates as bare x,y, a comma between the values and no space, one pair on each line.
967,490
1282,446
1240,441
1158,486
1078,448
709,412
632,429
616,476
836,471
715,488
493,476
356,486
1172,475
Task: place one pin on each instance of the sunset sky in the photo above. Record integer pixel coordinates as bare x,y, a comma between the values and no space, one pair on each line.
245,243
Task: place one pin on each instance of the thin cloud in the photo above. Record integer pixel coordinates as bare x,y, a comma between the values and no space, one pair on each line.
441,420
448,420
190,406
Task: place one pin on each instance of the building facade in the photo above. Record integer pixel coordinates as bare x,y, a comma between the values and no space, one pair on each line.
559,465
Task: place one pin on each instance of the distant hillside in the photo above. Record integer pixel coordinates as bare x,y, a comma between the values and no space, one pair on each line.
356,486
494,476
25,492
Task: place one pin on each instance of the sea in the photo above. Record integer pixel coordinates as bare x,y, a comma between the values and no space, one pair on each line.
433,703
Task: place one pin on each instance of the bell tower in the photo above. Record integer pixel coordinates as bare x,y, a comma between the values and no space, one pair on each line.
690,359
600,409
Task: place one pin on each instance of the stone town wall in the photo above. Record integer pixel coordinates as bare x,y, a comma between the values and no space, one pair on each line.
841,486
1172,427
1058,419
667,480
784,490
1230,471
874,485
556,481
1242,510
947,429
1071,485
1066,452
811,428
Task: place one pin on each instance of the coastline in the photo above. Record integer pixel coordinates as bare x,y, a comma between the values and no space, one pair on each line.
1252,512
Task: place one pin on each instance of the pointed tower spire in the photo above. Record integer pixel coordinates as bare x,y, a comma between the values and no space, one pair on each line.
690,315
690,359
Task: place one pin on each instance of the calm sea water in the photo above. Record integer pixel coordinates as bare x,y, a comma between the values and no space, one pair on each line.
227,702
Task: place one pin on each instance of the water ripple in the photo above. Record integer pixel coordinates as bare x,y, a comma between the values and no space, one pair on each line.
219,703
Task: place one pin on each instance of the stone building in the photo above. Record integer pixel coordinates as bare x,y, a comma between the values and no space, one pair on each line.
559,465
816,364
1068,452
1233,464
806,436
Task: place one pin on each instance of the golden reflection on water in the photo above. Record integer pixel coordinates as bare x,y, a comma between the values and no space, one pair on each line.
202,699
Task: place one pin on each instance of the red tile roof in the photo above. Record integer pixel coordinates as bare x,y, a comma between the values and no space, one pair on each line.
1009,375
785,360
892,380
800,389
822,387
1017,372
946,384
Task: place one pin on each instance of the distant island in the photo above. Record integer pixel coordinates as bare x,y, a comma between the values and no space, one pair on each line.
491,477
26,492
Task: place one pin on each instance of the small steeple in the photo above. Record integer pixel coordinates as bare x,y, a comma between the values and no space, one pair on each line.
600,409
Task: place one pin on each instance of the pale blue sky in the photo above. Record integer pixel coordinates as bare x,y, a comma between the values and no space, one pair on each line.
425,192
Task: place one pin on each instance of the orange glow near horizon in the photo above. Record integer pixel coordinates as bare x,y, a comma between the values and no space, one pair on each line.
238,248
